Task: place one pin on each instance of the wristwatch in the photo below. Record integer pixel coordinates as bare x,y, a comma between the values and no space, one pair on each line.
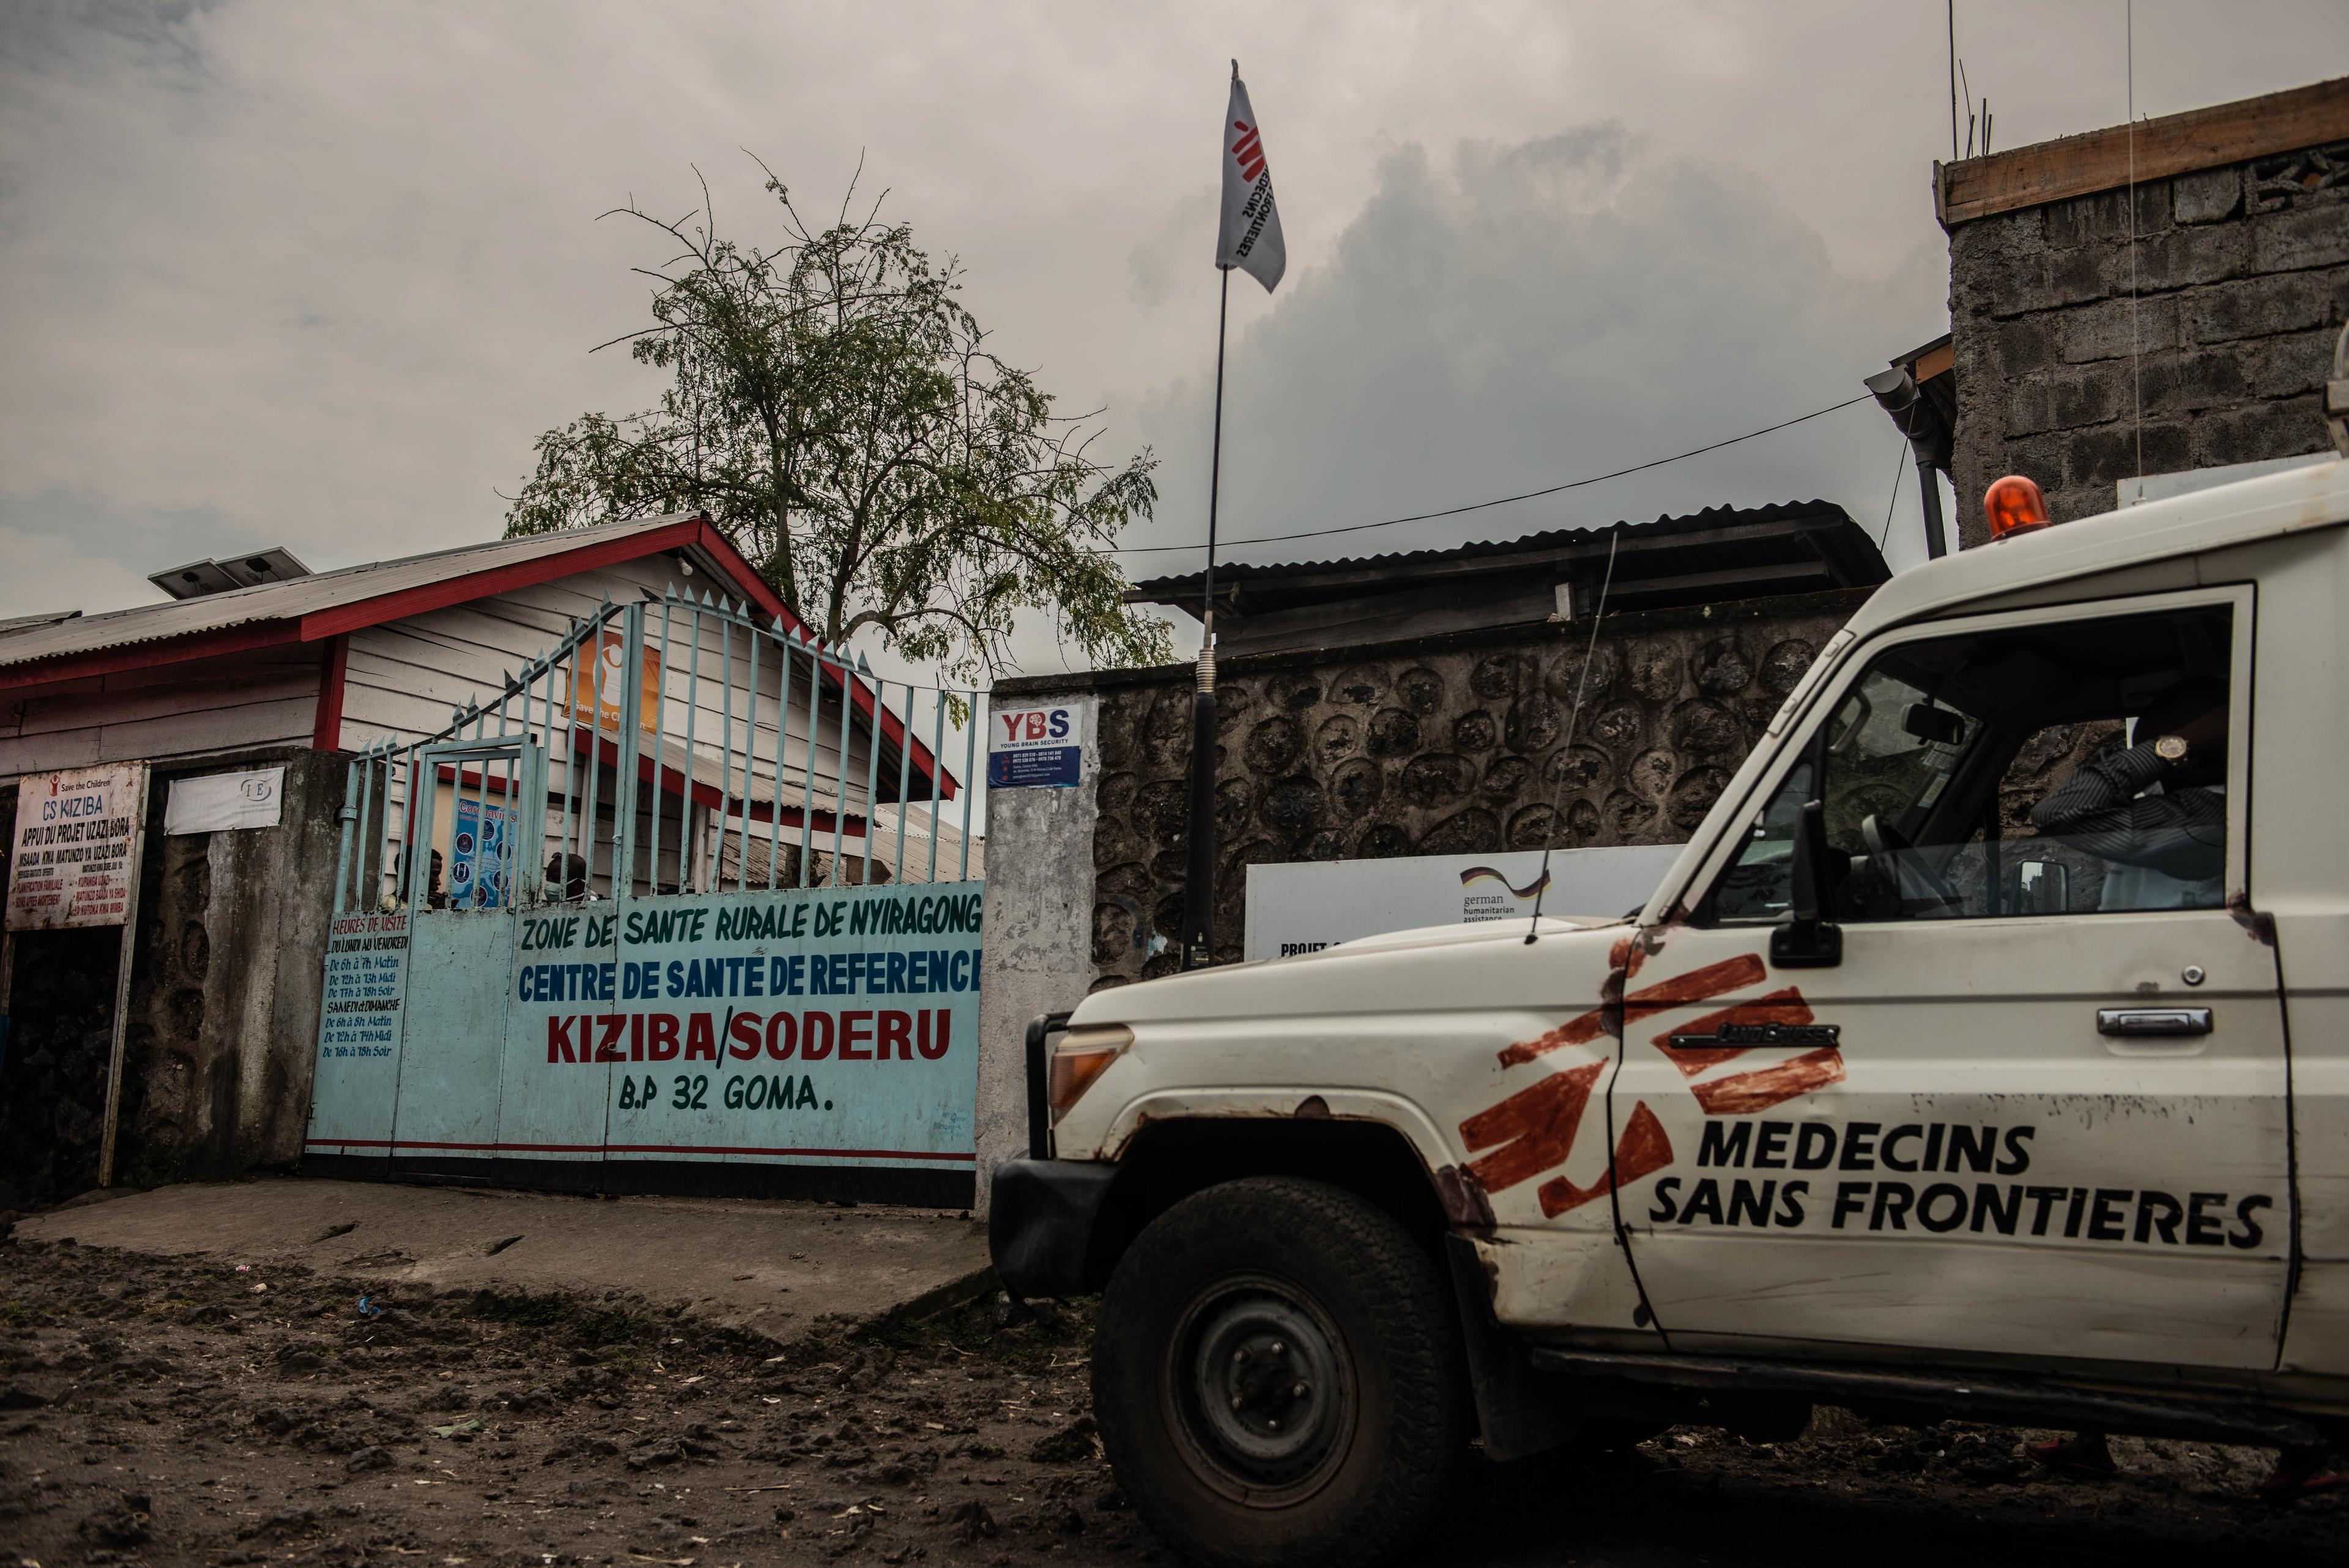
2170,748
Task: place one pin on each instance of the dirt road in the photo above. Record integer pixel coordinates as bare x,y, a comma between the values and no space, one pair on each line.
178,1411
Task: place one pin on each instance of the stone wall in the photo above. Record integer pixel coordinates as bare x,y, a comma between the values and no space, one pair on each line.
1449,745
2242,284
226,976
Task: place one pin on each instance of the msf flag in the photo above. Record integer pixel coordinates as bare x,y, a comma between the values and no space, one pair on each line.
1250,238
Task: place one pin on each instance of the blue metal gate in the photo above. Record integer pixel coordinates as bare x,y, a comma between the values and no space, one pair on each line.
694,904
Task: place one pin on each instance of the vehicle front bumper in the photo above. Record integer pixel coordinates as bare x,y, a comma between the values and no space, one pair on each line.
1039,1223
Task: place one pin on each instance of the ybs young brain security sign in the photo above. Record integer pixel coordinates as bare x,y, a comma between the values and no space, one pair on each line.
1034,748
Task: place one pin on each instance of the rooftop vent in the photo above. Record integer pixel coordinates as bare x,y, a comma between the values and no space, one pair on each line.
197,579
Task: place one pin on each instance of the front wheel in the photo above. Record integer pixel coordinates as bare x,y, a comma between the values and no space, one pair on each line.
1278,1379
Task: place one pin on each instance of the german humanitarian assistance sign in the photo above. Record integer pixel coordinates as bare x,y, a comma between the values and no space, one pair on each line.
70,859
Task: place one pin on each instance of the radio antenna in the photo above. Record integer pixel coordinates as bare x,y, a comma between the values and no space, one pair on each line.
1573,718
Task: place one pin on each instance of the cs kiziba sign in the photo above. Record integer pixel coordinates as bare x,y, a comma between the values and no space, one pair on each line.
71,861
1029,748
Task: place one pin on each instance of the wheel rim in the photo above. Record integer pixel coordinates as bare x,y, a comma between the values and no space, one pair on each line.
1262,1389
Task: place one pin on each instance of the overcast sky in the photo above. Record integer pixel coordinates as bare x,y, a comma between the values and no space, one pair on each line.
278,272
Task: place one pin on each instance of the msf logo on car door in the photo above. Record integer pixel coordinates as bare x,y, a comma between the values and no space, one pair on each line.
1537,1128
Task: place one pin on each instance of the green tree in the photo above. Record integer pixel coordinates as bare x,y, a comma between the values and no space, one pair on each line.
836,410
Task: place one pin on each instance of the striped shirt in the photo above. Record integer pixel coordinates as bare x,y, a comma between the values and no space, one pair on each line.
2100,809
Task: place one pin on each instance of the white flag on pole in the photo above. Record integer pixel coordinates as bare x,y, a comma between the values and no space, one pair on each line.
1250,238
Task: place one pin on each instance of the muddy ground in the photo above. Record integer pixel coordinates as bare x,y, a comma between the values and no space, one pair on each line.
179,1411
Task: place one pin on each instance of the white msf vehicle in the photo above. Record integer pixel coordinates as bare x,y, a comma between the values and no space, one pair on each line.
1984,1056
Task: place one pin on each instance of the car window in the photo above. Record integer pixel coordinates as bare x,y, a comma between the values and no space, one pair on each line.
2063,769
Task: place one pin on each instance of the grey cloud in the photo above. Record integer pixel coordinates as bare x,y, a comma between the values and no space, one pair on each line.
273,270
64,546
1516,314
1159,260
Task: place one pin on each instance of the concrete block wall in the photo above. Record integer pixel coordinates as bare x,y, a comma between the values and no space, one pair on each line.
2242,285
1449,745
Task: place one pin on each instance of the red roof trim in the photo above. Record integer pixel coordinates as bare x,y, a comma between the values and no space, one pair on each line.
689,532
243,639
463,588
326,733
672,783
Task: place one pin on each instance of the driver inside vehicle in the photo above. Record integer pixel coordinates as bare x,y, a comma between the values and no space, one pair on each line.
2157,811
2065,769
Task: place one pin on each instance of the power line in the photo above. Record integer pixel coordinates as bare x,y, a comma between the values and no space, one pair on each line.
1501,501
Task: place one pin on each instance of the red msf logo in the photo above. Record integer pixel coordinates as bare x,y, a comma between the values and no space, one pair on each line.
1248,150
1534,1128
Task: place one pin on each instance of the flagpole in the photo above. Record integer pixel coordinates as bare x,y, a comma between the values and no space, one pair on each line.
1199,878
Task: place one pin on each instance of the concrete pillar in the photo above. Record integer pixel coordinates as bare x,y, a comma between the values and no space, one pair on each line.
1038,949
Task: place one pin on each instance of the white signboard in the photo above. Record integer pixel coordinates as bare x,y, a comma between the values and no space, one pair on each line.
70,863
223,800
1034,748
1304,907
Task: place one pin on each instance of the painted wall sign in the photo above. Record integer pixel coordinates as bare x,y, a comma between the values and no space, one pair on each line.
1031,748
70,859
367,964
360,1029
224,802
824,1026
1305,907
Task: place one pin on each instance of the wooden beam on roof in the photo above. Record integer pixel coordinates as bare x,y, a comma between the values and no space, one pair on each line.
1796,575
2183,144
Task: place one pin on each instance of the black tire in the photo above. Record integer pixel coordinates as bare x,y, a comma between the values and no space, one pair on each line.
1278,1379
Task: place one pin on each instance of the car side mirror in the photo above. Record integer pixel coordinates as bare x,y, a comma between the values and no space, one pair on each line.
1809,940
2038,887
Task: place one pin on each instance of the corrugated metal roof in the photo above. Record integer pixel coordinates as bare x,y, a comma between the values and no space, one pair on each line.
1826,514
302,597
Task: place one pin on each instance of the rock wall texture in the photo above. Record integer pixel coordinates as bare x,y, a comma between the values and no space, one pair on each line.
1452,745
226,983
2242,284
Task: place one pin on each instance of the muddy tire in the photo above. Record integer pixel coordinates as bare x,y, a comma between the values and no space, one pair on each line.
1278,1379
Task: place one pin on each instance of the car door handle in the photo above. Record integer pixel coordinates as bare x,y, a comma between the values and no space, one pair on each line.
2165,1021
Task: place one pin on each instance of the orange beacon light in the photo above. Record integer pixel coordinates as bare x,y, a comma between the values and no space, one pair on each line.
2013,506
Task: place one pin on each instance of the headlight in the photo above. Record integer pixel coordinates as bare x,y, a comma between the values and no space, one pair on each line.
1079,1057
